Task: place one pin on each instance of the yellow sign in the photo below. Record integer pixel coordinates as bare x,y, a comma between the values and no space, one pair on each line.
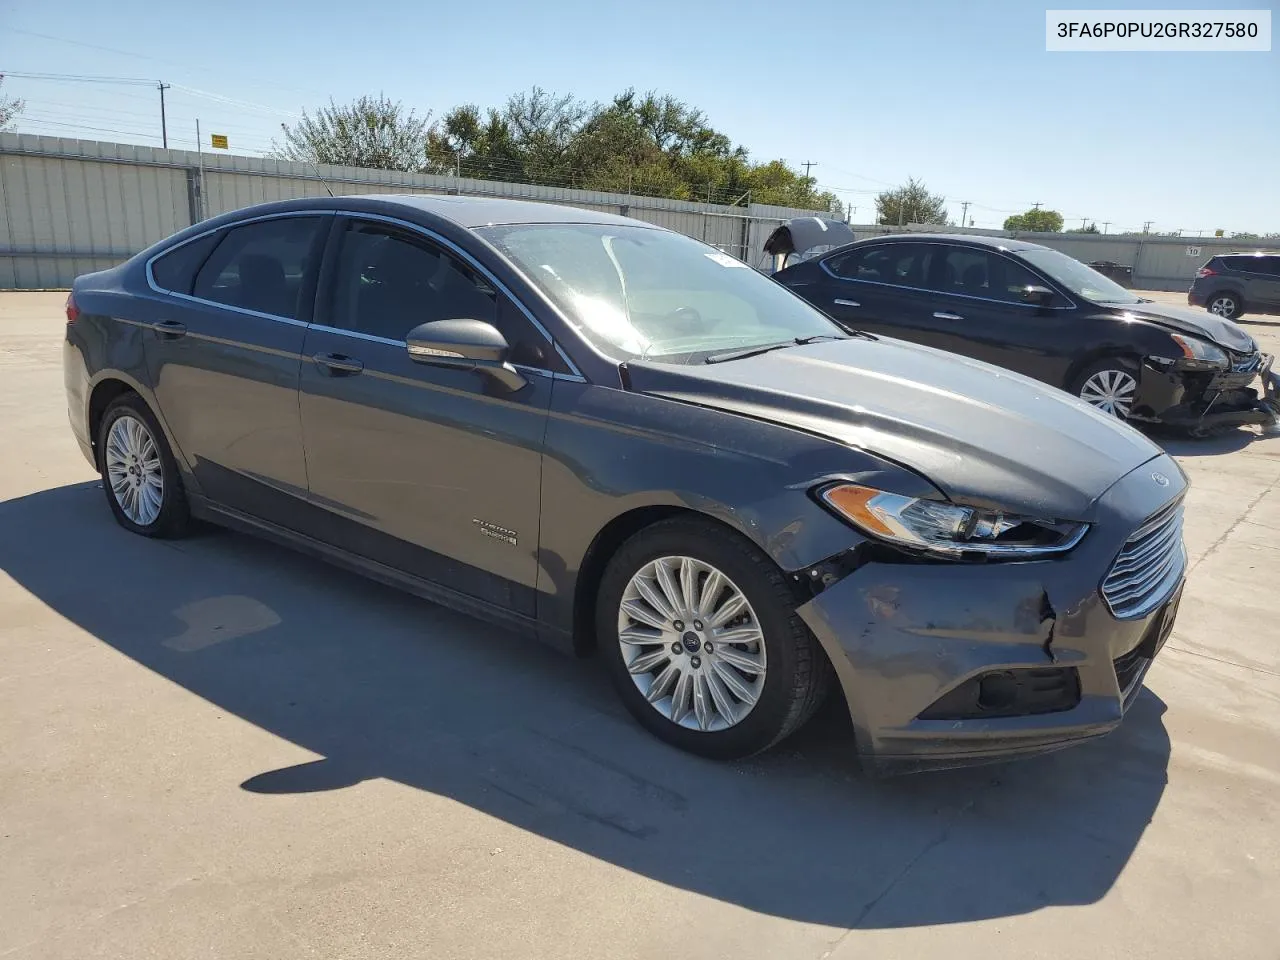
1217,233
219,140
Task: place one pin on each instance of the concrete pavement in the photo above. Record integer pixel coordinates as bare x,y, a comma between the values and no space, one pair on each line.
218,748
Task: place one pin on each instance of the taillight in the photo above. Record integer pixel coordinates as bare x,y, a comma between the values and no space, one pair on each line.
1206,272
72,310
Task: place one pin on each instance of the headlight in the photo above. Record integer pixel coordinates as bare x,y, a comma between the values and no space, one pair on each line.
1200,353
948,528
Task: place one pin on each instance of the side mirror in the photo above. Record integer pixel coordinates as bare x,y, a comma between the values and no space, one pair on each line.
1040,296
464,345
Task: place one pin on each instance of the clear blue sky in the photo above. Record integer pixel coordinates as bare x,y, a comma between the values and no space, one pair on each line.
959,94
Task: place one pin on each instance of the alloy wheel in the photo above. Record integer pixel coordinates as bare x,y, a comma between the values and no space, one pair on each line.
1223,307
1111,391
133,470
692,644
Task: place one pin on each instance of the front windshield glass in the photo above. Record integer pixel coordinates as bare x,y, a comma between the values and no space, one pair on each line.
1075,276
640,292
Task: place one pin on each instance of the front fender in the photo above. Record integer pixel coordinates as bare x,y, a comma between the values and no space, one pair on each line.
609,452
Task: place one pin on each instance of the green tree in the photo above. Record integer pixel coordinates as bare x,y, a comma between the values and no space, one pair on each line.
1087,228
910,203
1036,221
10,107
368,132
645,144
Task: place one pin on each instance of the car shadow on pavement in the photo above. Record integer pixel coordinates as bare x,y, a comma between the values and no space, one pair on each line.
1231,441
381,684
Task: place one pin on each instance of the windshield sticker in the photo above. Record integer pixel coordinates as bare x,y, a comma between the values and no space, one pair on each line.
725,260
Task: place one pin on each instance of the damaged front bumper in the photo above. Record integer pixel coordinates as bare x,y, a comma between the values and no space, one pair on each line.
949,664
1201,400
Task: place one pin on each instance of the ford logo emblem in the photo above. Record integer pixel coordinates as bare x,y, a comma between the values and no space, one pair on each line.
1161,479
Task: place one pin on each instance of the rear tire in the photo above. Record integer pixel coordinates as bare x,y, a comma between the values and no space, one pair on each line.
1226,304
1109,385
719,663
139,474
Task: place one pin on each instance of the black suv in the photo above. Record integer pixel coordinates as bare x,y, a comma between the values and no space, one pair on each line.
1043,314
1231,284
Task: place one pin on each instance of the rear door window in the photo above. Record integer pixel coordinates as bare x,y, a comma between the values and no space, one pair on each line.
898,264
261,266
175,271
1246,264
1269,266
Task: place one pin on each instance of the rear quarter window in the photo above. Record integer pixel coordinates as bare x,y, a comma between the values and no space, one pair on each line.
176,270
260,266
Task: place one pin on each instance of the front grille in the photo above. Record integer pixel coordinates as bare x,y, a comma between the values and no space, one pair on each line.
1149,567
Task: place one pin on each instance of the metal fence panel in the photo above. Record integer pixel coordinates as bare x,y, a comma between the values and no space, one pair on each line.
73,206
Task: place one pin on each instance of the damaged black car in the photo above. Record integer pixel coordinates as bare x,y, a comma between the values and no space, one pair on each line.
1044,314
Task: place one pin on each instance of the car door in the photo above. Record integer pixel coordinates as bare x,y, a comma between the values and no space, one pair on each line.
877,287
224,351
975,307
431,470
1263,291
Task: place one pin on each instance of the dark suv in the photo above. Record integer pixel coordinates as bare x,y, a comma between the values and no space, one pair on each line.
1231,284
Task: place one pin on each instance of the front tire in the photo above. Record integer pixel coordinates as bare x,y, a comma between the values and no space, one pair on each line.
1226,305
139,474
703,642
1110,385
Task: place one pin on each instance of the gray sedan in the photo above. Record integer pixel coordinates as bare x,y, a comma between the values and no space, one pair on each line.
622,441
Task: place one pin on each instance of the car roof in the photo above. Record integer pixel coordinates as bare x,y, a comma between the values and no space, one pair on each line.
972,239
466,212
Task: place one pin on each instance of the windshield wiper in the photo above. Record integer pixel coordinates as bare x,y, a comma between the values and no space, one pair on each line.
766,347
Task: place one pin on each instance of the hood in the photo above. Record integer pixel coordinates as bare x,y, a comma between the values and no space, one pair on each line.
979,433
1197,323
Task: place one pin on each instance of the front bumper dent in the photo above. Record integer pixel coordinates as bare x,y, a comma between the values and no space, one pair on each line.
902,635
1203,400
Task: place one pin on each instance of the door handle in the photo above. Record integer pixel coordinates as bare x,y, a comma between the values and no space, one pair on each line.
942,315
169,329
847,303
337,364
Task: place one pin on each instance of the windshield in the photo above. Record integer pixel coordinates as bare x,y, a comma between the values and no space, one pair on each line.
1075,276
640,292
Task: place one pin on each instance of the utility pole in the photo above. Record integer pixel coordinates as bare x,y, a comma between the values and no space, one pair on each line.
1146,226
964,212
1036,205
200,161
164,126
807,164
1084,222
1105,224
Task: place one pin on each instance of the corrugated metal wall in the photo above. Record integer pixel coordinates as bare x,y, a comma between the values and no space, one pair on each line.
72,206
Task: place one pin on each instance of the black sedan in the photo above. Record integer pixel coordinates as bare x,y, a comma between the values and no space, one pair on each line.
614,438
1038,311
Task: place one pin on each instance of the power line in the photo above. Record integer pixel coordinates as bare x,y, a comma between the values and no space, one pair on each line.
76,78
183,64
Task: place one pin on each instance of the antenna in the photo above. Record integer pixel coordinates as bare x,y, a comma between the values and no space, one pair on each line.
314,166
